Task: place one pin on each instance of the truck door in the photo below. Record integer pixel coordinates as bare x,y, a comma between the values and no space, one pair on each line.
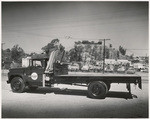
35,73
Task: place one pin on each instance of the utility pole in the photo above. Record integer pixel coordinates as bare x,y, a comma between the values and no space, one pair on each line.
2,54
103,53
2,45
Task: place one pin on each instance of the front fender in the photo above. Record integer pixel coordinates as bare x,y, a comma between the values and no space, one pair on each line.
11,76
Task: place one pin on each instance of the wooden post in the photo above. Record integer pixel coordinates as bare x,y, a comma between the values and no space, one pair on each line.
104,53
128,87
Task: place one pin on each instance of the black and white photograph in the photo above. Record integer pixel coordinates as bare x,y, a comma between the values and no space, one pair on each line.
74,59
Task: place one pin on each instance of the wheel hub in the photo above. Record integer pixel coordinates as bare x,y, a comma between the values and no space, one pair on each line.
16,85
96,90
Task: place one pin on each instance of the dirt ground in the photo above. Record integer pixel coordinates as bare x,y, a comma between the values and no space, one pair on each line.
65,101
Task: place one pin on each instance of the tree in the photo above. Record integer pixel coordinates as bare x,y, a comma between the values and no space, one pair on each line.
146,59
100,42
85,42
131,56
122,50
47,49
76,53
50,47
31,54
61,53
88,48
77,43
95,52
72,55
62,48
8,50
17,53
117,54
66,56
6,58
6,53
110,45
79,51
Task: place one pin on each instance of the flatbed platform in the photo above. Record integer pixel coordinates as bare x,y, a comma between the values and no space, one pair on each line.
87,77
91,74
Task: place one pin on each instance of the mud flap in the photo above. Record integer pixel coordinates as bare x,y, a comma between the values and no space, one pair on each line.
140,83
128,86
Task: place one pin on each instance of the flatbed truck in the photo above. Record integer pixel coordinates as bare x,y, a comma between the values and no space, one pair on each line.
98,84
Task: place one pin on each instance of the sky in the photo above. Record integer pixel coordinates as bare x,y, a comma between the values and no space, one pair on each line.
32,25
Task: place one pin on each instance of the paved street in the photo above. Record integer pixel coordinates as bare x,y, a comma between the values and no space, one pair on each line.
73,102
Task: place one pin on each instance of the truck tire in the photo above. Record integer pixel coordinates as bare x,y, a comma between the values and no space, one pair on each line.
97,89
17,85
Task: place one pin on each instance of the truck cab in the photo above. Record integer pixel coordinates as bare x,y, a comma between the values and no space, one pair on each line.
32,75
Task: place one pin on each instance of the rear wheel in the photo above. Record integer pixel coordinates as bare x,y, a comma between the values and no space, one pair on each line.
17,85
97,89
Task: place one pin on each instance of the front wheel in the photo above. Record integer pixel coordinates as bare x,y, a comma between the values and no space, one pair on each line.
97,89
17,85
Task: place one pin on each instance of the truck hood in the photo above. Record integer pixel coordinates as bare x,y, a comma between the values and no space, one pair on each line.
20,69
